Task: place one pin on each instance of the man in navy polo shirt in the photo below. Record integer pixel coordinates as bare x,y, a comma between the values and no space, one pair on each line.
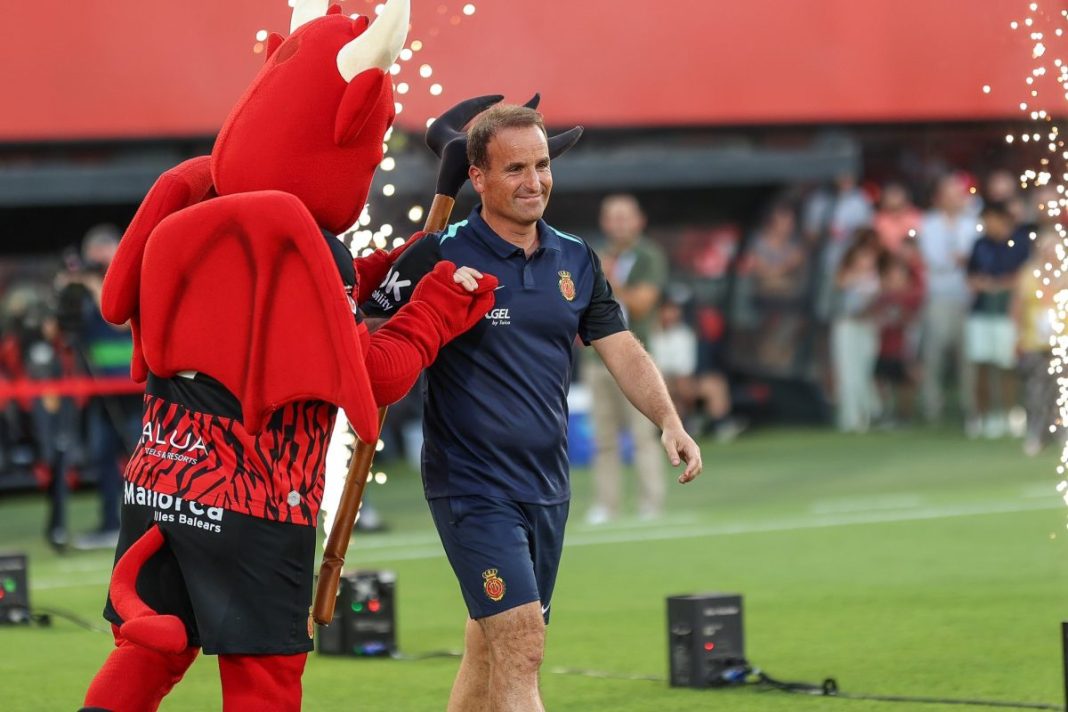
495,467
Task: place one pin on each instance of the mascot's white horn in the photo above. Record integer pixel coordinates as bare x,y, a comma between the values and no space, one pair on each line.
380,43
305,11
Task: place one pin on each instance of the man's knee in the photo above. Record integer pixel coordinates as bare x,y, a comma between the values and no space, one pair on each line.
516,638
474,640
528,658
476,650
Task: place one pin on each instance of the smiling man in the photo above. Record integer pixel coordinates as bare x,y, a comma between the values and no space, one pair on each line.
495,467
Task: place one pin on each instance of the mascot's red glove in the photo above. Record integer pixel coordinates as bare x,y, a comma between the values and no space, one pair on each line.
440,310
372,269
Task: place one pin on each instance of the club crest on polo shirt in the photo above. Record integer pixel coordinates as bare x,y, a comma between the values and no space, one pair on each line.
567,286
493,585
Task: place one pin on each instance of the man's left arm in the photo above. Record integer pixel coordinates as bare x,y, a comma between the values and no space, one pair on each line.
641,382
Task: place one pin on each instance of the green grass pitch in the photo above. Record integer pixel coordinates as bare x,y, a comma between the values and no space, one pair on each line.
906,563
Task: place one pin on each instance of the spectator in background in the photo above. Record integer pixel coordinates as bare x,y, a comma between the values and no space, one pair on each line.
855,335
839,212
636,269
775,258
775,262
1003,187
1041,213
897,218
895,310
1047,205
713,388
33,349
1031,311
673,346
831,218
113,421
945,241
990,341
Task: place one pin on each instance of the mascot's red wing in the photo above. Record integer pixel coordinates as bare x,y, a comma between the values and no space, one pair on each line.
243,288
186,184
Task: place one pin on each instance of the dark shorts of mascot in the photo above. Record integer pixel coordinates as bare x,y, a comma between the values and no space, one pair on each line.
504,553
240,584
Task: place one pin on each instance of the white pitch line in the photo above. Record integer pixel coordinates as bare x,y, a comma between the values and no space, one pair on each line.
866,504
631,523
364,554
47,584
393,541
68,565
596,538
1040,491
839,520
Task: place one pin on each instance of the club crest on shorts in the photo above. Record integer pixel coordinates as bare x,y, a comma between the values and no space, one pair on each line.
567,286
493,585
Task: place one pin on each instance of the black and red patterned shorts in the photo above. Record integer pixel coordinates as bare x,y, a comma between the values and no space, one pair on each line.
241,584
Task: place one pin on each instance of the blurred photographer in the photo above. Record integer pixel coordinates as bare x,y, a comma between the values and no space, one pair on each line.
32,349
100,350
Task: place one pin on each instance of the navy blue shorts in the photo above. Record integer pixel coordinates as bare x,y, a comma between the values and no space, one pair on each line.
504,553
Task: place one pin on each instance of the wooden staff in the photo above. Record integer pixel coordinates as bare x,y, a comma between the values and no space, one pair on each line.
337,542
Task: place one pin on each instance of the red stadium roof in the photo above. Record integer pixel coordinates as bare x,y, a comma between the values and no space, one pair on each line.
129,68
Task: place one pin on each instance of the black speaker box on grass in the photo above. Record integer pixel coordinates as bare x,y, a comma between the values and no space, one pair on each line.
365,617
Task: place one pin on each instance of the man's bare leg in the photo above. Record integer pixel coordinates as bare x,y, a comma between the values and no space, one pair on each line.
515,641
470,692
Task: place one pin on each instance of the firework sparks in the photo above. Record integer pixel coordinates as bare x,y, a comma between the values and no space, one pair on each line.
361,240
1052,171
363,237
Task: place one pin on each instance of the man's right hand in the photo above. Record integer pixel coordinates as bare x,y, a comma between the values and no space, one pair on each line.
468,277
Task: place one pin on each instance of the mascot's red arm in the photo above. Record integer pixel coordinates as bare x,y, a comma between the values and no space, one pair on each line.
440,310
244,289
372,269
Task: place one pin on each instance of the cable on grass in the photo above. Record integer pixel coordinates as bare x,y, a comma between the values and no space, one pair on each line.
829,688
741,676
43,617
745,676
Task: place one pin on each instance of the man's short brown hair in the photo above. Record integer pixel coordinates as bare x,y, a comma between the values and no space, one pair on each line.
487,124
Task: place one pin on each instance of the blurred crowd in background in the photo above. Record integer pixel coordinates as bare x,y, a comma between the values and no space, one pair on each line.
895,314
891,309
857,305
60,435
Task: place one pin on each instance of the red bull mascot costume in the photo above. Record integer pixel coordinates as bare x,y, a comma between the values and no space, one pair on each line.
241,301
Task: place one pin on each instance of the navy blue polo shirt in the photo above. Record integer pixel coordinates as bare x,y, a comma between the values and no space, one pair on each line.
495,400
995,258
